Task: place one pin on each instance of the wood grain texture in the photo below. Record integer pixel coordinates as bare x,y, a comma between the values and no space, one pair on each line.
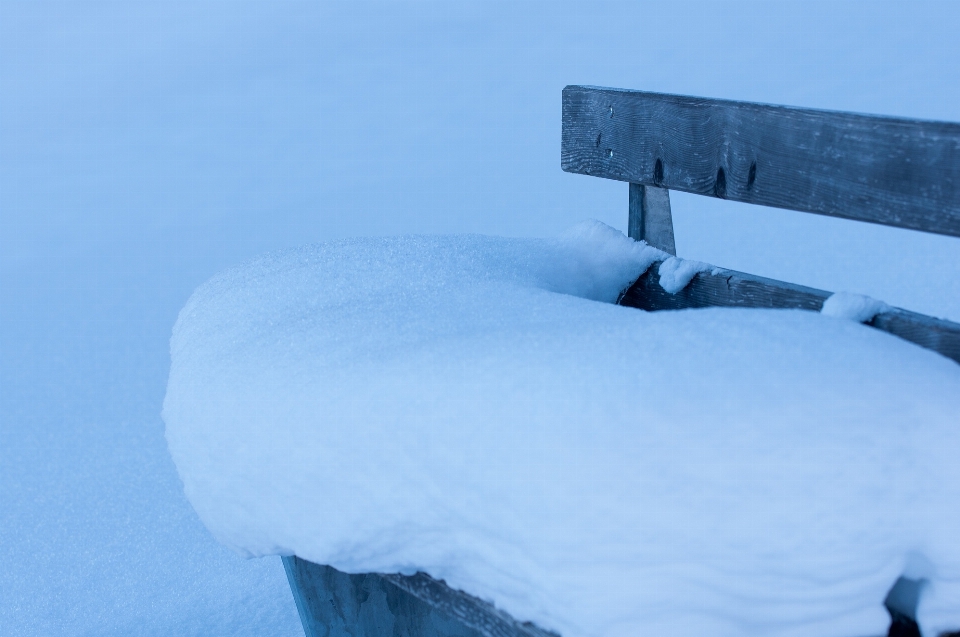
650,218
335,604
728,288
936,334
891,171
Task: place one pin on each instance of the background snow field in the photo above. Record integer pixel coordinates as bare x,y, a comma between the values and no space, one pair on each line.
463,406
145,146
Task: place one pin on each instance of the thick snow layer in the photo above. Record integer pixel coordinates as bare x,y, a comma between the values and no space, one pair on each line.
465,406
855,307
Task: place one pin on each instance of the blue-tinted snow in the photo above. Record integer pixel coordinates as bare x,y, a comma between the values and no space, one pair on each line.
460,405
145,146
855,307
675,273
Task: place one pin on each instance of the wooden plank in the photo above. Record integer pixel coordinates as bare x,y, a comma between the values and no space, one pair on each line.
936,334
335,604
650,218
886,170
728,288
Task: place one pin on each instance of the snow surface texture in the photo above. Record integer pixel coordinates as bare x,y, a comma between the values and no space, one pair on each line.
854,307
464,406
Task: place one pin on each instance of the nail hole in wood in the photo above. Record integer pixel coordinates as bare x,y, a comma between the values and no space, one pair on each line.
658,172
720,186
752,175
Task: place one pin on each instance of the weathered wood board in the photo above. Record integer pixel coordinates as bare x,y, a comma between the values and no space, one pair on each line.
886,170
335,604
729,288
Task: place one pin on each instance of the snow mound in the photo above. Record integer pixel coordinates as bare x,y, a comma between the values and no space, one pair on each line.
467,407
853,307
675,273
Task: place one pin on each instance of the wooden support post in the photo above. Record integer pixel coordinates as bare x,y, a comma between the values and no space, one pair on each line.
650,218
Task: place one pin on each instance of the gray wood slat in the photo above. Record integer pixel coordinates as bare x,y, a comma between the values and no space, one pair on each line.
728,288
334,604
886,170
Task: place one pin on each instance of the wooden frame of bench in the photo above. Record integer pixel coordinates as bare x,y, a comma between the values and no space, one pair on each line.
891,171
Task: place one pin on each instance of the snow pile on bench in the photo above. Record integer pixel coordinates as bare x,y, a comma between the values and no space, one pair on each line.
479,409
855,307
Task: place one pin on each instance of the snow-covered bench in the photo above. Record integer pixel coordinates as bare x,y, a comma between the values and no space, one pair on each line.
466,407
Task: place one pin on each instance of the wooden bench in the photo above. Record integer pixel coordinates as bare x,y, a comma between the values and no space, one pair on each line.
897,172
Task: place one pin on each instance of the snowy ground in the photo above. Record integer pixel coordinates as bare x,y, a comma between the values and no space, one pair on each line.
144,147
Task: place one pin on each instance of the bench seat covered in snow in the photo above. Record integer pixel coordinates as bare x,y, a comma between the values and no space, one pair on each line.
472,436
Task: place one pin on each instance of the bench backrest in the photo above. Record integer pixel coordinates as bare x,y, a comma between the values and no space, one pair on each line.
886,170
